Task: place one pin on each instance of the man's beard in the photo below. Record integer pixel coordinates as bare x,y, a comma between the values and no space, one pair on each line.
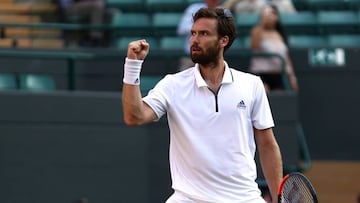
205,58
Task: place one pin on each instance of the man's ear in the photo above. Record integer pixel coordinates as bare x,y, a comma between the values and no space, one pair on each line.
224,41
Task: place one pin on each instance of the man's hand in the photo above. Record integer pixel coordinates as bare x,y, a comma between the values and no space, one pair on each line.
138,49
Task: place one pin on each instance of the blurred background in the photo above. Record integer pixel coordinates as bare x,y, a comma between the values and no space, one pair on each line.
62,136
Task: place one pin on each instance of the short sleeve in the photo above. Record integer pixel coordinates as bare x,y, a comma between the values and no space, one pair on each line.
261,113
158,97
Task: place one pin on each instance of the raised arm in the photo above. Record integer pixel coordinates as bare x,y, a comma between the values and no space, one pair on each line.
270,159
255,38
136,112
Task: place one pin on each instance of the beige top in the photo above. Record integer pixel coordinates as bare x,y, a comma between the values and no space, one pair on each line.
270,64
238,6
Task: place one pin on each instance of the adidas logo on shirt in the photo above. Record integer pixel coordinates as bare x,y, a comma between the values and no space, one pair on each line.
241,104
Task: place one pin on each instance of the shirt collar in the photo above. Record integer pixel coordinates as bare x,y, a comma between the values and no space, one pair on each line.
227,78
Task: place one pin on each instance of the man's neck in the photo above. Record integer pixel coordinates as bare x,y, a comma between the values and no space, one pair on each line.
213,74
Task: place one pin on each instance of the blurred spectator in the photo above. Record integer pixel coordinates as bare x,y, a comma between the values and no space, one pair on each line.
185,25
284,6
268,36
254,6
248,6
91,10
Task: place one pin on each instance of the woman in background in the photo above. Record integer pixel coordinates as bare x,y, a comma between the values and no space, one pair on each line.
268,36
254,6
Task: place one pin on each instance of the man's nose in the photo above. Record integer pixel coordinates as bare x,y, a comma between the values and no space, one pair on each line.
194,38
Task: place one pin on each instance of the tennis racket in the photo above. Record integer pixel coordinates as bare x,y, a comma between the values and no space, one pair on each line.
296,188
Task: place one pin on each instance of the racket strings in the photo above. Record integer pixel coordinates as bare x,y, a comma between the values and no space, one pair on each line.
296,190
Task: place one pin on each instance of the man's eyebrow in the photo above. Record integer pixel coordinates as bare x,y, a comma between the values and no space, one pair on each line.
204,30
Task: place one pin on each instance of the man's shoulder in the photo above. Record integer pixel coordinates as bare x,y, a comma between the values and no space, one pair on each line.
241,75
241,72
184,73
181,75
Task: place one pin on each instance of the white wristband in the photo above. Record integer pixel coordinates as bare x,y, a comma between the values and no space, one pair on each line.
132,68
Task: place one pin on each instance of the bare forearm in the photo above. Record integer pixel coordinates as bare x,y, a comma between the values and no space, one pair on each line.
271,163
132,104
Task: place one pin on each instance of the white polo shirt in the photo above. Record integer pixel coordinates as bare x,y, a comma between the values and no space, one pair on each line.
212,144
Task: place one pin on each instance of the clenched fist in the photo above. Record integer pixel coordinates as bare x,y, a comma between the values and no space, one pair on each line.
138,49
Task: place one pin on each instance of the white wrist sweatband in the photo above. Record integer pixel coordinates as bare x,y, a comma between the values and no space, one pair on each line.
132,68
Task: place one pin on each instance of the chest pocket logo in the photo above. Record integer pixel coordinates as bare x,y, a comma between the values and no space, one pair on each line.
241,105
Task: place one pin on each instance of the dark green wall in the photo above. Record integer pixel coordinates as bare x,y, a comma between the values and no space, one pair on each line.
329,100
59,147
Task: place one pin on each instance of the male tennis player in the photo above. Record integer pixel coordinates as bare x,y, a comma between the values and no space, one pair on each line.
215,114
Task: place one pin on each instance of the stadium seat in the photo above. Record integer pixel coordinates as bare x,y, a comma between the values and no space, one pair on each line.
193,1
331,5
127,5
15,32
238,43
339,22
354,5
12,18
165,5
130,24
8,81
40,43
305,41
246,41
172,42
147,82
28,7
6,42
165,23
36,82
122,42
300,5
245,21
344,41
128,20
302,22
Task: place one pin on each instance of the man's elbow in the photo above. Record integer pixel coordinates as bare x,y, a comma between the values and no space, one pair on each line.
131,121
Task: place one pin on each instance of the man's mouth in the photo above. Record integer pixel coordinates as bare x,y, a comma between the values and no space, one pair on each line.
195,49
